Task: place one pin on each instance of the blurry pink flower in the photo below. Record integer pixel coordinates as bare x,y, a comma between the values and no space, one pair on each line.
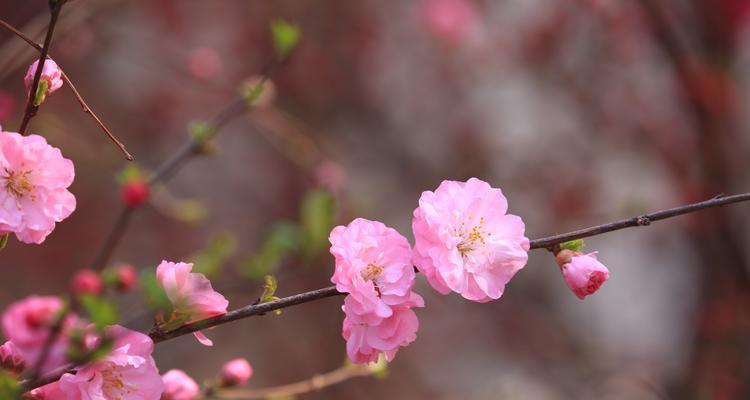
453,21
126,277
204,62
34,178
51,75
11,359
584,274
465,241
367,338
27,324
330,175
86,281
373,265
179,386
236,372
127,372
191,294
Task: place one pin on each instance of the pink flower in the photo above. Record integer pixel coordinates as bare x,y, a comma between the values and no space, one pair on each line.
27,324
236,372
453,21
179,386
11,359
51,76
127,372
373,265
34,178
584,274
367,337
125,277
87,281
465,242
204,62
191,294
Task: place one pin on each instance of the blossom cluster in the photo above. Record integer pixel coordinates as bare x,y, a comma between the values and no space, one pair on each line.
464,242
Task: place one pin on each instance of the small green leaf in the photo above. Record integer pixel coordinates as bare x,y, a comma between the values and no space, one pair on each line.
41,92
269,289
317,219
282,239
285,37
210,261
380,368
101,311
201,131
9,388
154,294
130,173
4,240
573,245
251,92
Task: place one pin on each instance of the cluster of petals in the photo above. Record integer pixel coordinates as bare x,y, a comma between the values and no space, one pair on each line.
583,273
191,294
127,372
34,181
373,265
465,241
51,74
235,372
179,386
11,359
28,323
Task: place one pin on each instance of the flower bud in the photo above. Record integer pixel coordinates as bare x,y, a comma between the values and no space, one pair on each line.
179,386
50,81
235,372
583,273
86,281
11,359
125,277
135,192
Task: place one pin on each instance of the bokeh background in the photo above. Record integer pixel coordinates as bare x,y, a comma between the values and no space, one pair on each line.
582,111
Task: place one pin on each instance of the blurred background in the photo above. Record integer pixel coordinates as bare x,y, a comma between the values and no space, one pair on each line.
582,111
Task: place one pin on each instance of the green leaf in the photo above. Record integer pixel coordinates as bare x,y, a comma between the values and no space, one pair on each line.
251,92
130,173
41,92
101,312
573,245
9,388
285,37
210,261
153,293
282,239
4,240
201,131
317,219
269,290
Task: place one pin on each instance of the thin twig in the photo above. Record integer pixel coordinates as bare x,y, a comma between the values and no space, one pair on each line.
315,383
100,261
31,108
79,98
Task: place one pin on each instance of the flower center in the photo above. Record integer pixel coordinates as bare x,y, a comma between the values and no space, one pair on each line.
113,385
472,239
17,183
371,272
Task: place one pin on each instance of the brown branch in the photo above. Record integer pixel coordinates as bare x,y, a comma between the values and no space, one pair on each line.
31,108
79,98
315,383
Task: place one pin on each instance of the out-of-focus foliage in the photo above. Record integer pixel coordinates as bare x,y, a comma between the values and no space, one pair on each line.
211,260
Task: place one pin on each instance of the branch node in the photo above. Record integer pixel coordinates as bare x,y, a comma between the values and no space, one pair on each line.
643,220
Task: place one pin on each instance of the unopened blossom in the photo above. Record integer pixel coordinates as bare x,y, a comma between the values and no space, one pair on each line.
367,337
465,242
128,371
125,277
86,281
179,386
34,181
51,78
11,359
373,265
27,323
192,296
135,193
454,22
583,273
235,372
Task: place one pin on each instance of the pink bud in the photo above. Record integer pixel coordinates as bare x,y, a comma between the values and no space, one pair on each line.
330,175
179,386
11,359
204,62
584,274
86,281
236,372
50,73
135,193
126,277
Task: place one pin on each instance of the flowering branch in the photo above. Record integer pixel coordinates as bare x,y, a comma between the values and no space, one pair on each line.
31,108
73,88
315,383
